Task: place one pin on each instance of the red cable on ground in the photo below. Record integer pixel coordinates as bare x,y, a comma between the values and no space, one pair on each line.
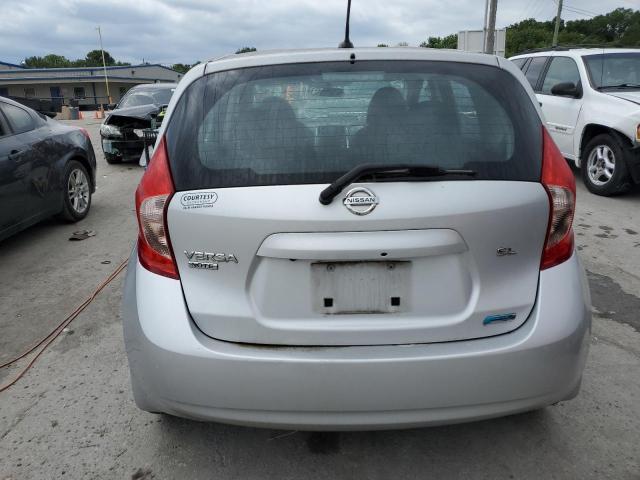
58,330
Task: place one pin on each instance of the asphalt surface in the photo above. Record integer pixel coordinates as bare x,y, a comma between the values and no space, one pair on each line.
73,416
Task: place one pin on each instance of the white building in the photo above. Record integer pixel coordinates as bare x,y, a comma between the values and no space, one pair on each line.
473,41
84,84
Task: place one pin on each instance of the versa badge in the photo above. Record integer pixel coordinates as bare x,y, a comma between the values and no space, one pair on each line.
208,261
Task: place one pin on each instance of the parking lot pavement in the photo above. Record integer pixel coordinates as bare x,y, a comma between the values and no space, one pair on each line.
72,415
43,274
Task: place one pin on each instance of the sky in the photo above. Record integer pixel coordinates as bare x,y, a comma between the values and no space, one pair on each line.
187,31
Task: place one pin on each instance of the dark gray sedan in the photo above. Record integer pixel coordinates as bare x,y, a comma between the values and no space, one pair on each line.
46,168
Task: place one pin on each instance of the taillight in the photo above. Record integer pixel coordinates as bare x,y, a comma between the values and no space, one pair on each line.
152,199
85,133
558,180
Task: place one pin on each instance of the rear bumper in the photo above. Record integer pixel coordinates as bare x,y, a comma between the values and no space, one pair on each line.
178,370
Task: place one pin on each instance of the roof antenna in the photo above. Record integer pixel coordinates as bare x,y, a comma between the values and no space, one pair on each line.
346,43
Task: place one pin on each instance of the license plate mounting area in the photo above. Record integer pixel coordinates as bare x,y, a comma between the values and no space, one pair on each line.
361,287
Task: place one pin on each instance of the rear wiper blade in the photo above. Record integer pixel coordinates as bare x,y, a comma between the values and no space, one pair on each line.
401,170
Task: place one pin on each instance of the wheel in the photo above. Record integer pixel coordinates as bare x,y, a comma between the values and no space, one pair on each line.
603,167
112,159
77,192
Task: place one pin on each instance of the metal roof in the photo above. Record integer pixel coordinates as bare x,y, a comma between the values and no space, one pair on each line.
151,72
10,64
88,78
81,69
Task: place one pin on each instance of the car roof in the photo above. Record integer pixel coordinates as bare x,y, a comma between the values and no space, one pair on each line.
17,104
574,52
277,57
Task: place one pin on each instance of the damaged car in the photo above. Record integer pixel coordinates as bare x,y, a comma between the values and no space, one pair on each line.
140,109
47,169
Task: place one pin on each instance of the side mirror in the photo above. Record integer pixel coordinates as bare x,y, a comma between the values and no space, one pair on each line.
566,89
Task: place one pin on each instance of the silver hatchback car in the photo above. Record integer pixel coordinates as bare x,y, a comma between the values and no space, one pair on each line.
355,239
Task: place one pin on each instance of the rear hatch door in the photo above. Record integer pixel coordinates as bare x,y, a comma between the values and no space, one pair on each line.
262,261
424,266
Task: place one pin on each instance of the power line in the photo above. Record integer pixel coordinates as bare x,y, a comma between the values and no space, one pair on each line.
579,11
568,9
528,9
589,12
539,8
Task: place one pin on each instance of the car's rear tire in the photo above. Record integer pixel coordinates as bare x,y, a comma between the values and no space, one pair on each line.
76,192
603,167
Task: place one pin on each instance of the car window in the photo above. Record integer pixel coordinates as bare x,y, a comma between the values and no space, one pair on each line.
561,70
146,96
136,100
613,70
535,69
311,123
19,119
519,62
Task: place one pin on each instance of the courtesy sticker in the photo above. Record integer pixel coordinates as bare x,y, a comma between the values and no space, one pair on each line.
198,200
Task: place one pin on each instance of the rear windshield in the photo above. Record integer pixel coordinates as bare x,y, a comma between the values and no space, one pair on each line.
311,123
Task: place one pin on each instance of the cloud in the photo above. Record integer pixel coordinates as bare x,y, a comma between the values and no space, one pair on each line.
171,31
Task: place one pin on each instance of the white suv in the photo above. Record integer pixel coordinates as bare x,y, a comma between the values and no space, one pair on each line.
591,101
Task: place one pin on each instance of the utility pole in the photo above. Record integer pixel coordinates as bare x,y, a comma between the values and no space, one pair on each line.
484,25
104,65
491,27
557,29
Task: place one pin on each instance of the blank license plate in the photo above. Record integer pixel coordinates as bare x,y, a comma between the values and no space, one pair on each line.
360,287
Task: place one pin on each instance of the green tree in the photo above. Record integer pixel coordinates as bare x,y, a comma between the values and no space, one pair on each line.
620,27
94,59
181,67
450,41
48,61
246,49
631,36
528,34
382,45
